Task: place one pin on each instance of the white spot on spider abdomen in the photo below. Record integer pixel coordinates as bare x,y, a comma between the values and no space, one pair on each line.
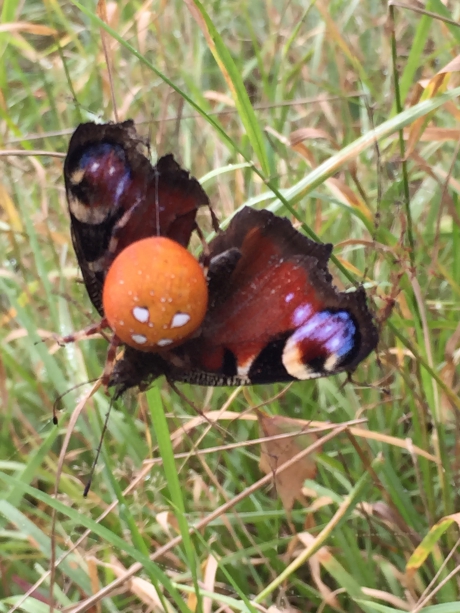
163,342
140,339
141,314
180,319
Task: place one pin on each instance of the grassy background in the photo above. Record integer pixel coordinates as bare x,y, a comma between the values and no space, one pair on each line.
309,110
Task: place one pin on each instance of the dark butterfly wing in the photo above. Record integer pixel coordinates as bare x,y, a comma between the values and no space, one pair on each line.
273,314
117,197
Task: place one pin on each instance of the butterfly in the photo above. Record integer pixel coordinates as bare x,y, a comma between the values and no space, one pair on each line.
261,304
116,197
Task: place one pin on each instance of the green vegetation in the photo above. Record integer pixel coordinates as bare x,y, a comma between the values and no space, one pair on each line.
308,110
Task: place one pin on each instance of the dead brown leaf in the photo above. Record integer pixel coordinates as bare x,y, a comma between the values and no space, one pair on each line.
278,451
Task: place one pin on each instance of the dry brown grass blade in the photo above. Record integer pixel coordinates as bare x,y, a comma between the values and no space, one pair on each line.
437,84
137,586
31,153
435,134
302,134
418,9
343,193
335,34
392,600
30,28
12,214
209,581
214,96
428,546
198,17
338,188
356,431
144,17
317,559
441,176
449,374
102,13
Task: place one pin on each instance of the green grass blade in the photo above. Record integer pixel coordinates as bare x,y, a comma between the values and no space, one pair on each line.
236,85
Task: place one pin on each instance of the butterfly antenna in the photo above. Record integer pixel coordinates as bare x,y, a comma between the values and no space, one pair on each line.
61,396
98,451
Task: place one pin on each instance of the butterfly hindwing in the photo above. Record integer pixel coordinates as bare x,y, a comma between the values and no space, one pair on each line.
273,314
